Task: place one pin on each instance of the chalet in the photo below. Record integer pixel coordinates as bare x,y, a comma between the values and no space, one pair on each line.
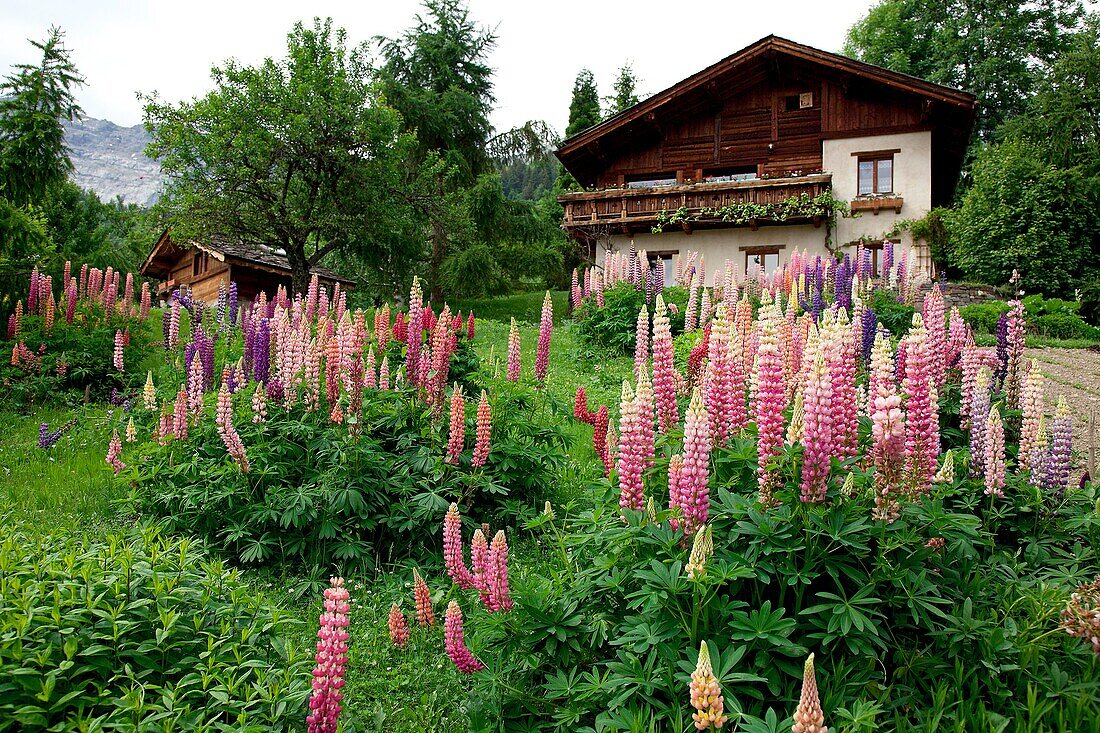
204,266
745,159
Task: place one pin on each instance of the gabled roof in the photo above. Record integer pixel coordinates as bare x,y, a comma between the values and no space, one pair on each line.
261,256
768,45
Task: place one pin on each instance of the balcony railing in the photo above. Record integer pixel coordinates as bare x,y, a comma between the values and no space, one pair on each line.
635,209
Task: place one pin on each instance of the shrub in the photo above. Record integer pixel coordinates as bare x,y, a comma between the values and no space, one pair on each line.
1048,317
136,628
892,315
983,317
613,327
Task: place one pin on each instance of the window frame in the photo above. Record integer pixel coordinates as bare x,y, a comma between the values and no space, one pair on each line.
763,251
875,157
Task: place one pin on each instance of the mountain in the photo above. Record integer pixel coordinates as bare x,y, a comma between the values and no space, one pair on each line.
110,160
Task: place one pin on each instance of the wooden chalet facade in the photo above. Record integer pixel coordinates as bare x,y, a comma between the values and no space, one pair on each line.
204,267
775,123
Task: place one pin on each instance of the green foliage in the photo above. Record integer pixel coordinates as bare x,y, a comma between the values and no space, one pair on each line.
614,326
321,493
892,315
822,207
24,240
625,91
983,317
116,633
101,233
1023,214
605,637
1049,318
584,107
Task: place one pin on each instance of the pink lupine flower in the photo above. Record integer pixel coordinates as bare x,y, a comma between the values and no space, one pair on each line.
922,426
484,431
597,287
384,374
643,399
840,360
769,402
706,694
174,324
399,627
382,327
575,292
959,337
817,435
994,454
70,301
1017,328
664,381
497,580
691,315
114,454
415,332
479,564
933,313
717,388
118,362
694,477
195,379
425,616
455,642
546,326
370,378
180,411
228,433
808,716
630,461
641,343
332,660
259,404
457,435
513,353
887,431
1031,404
452,549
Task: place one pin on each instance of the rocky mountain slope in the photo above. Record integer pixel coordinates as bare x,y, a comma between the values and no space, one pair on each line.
110,160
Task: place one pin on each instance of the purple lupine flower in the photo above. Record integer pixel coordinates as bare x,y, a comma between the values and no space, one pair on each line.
843,285
865,263
261,353
275,392
1055,464
869,323
233,304
1002,349
188,355
887,258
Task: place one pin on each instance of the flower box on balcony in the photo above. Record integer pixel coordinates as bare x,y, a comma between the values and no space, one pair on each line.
875,204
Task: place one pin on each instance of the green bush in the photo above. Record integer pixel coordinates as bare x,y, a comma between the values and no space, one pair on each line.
983,317
139,630
1047,317
892,315
614,326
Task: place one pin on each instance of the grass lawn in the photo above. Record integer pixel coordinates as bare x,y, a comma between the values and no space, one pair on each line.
524,307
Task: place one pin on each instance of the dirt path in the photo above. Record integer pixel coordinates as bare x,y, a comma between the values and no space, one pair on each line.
1074,373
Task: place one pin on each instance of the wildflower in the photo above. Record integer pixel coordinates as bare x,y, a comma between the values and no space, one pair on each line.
513,353
630,461
922,427
979,427
641,343
399,627
995,454
817,432
470,326
1014,352
797,425
415,332
228,433
424,614
131,431
118,360
770,400
259,404
548,511
691,315
808,716
664,384
457,434
332,660
675,498
600,438
693,488
936,544
114,454
546,326
1031,404
706,695
702,547
1081,616
497,580
479,565
946,474
455,642
580,406
1052,473
575,292
484,431
384,374
452,549
149,393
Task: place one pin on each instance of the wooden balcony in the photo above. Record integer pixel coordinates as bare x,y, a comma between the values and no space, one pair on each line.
633,210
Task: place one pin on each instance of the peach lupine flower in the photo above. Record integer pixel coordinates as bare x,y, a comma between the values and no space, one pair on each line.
706,694
513,353
808,716
484,431
399,627
425,616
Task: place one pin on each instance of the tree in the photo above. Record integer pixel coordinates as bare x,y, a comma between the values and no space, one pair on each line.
299,153
626,91
436,76
997,49
584,108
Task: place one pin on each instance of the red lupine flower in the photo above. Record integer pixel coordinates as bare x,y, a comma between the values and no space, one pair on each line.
470,326
599,438
580,405
452,549
399,627
484,431
455,642
332,660
425,616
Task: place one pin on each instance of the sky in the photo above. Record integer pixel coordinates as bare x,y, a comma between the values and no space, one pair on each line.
123,47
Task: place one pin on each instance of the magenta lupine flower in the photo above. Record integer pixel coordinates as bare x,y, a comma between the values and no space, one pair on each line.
457,435
933,314
425,616
415,332
513,353
118,355
664,382
694,476
769,402
455,642
484,431
332,660
817,431
922,424
496,578
691,315
114,454
840,360
546,326
706,694
70,302
630,461
452,549
399,627
808,716
641,343
224,420
1031,405
32,293
994,454
575,292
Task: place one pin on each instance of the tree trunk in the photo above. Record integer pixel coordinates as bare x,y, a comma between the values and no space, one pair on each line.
299,268
439,250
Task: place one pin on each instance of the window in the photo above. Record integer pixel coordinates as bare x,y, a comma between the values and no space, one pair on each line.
198,264
876,173
761,258
875,250
651,180
668,260
722,175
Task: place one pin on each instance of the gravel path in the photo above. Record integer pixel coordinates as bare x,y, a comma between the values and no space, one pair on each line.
1074,373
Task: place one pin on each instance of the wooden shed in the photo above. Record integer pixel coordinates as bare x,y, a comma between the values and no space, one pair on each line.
205,266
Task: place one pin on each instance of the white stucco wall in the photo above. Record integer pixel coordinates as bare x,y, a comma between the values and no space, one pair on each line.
912,181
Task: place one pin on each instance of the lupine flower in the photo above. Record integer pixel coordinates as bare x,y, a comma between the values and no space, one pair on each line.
479,564
228,433
118,359
922,426
994,454
1052,472
706,694
149,393
808,716
399,627
817,432
979,405
470,326
1081,616
174,323
513,353
457,434
946,474
630,461
259,404
664,383
546,326
675,496
769,402
384,374
691,315
887,431
1016,328
1031,404
455,642
797,427
452,549
641,343
415,332
425,616
702,547
575,292
332,660
694,477
600,438
496,579
179,415
131,431
580,406
484,431
933,313
114,454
